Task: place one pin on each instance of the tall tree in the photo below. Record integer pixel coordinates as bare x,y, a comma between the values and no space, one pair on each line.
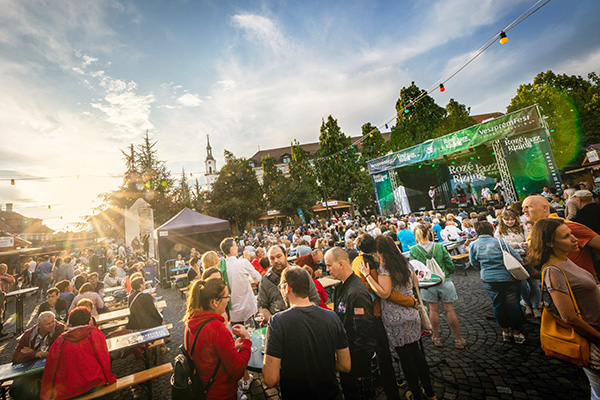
571,105
421,121
198,198
457,118
275,185
338,168
373,144
183,196
304,189
236,195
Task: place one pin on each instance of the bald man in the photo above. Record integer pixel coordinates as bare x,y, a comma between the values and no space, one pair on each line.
353,305
536,207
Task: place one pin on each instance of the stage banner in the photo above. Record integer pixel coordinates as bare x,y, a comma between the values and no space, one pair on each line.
516,123
531,163
384,193
475,172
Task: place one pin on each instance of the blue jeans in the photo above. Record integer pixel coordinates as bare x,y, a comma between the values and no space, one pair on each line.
505,298
531,292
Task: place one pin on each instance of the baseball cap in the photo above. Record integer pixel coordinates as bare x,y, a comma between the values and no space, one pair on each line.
582,193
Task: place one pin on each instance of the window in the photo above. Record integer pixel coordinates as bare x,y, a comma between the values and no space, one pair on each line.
252,164
286,159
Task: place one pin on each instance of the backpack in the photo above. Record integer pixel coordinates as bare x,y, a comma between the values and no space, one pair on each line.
186,382
433,265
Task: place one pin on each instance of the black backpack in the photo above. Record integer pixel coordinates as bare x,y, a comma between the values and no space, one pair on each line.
185,382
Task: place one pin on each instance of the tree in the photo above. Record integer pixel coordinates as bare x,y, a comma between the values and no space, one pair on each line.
338,166
373,144
457,118
183,196
275,186
303,187
198,198
571,105
236,195
421,121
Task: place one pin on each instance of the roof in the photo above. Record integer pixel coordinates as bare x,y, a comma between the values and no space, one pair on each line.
14,222
310,148
189,222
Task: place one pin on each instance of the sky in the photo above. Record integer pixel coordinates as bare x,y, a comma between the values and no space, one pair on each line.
81,80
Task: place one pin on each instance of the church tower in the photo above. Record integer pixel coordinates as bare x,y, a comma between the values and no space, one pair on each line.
210,165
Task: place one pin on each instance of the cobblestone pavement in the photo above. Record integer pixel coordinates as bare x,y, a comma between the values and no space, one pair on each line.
487,369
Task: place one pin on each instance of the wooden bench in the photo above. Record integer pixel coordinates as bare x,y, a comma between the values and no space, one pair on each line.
461,259
130,380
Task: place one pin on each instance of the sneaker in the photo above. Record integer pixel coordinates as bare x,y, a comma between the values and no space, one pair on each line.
437,342
507,337
528,311
428,397
537,313
460,343
241,395
245,385
520,338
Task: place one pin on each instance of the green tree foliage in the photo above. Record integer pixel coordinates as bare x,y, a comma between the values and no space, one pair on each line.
571,105
236,195
338,169
373,145
146,177
421,121
303,187
457,118
198,198
183,195
275,186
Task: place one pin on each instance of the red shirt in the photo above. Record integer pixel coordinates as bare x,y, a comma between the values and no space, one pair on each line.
307,259
256,264
322,294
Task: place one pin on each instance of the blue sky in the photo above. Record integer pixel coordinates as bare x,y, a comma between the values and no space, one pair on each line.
81,80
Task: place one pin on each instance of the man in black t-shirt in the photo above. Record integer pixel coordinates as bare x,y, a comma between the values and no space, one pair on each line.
305,345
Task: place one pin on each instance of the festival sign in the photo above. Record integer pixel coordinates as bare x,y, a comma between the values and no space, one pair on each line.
384,193
516,123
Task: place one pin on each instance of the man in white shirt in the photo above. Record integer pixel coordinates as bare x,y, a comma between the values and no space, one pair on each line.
239,273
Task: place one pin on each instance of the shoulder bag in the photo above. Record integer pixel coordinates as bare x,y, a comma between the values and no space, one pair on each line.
559,339
432,264
423,312
513,265
185,382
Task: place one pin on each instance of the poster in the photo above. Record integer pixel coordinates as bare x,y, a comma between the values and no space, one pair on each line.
384,193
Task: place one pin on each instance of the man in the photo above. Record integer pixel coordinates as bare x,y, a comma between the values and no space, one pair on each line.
589,212
97,286
351,250
54,304
5,280
350,233
536,207
78,361
142,312
305,345
269,299
352,304
94,261
313,260
65,270
112,279
237,274
303,248
34,345
546,194
405,236
44,275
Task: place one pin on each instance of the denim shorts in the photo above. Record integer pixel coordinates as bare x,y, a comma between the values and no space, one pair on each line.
444,292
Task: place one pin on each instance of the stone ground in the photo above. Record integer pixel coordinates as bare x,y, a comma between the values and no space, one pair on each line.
487,369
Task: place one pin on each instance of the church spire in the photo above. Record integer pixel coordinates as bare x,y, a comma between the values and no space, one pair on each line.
209,155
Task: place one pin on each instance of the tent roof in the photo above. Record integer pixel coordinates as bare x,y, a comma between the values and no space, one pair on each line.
192,222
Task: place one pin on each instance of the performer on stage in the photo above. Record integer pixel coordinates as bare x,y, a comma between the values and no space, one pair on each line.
471,196
432,196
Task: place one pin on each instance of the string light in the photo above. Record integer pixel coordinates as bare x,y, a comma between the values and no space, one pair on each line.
442,88
503,38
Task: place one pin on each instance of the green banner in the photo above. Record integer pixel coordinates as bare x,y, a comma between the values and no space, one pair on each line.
516,123
384,193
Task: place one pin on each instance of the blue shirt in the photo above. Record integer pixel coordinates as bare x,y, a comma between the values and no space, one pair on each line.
436,231
485,254
407,238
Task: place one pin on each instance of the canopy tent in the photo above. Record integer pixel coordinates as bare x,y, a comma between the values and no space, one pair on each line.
189,229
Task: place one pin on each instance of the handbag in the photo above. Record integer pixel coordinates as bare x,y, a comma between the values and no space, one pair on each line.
513,265
559,339
433,265
423,313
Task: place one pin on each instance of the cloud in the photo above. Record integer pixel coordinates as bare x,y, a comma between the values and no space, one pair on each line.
581,65
260,29
189,100
127,110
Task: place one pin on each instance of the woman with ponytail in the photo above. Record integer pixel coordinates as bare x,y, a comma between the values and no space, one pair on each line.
215,348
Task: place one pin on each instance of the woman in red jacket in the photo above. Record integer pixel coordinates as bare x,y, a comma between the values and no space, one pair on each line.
78,360
206,304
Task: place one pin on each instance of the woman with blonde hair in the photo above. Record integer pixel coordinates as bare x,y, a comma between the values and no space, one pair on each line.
210,344
210,259
445,292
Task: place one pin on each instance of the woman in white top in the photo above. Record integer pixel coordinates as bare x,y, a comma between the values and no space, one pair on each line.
511,231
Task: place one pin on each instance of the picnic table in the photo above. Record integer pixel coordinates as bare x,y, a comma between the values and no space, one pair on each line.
124,313
327,281
117,288
19,295
180,269
255,363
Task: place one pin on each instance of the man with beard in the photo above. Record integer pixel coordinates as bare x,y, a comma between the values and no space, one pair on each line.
270,301
305,345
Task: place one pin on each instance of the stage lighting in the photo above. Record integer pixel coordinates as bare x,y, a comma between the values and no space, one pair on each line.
503,38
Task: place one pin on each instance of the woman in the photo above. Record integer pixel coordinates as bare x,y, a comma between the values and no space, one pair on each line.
402,324
87,292
469,231
393,233
66,292
504,290
194,272
206,304
210,259
511,231
444,292
319,286
551,242
571,207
